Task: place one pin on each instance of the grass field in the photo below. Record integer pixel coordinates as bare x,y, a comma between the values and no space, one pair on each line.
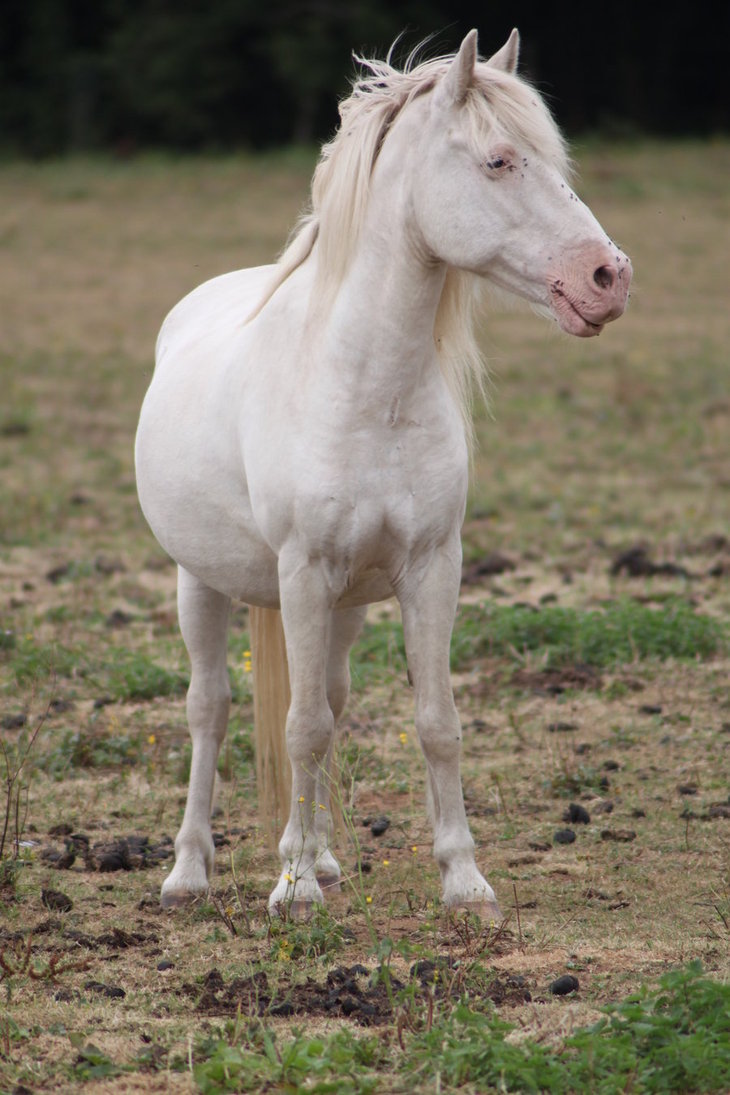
590,665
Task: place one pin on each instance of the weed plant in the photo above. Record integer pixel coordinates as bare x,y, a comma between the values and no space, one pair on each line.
675,1039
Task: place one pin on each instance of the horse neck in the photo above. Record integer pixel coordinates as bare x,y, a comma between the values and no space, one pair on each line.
380,327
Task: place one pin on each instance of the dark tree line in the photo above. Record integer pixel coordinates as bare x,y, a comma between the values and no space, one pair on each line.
192,74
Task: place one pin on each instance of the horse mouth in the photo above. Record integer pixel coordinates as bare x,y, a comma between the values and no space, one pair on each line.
570,319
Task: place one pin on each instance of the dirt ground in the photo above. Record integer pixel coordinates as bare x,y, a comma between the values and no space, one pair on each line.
594,453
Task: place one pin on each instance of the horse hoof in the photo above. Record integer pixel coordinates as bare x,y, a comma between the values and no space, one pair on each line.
329,883
487,911
299,909
178,899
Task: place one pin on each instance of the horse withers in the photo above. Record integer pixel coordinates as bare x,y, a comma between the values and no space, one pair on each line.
304,443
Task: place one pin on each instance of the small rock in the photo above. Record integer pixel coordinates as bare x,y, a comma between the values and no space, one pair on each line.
57,573
165,964
577,814
118,618
54,899
564,836
622,836
562,727
112,861
112,992
379,825
564,985
104,565
349,1005
13,722
61,861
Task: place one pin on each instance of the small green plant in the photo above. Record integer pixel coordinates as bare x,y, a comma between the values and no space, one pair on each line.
31,660
91,1063
14,775
133,676
255,1061
667,1041
621,632
318,938
90,748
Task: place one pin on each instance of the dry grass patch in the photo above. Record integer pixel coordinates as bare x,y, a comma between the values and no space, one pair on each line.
596,450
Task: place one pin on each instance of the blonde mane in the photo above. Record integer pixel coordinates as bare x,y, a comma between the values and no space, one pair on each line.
497,103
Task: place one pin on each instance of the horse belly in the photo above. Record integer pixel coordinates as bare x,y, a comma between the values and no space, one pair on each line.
190,477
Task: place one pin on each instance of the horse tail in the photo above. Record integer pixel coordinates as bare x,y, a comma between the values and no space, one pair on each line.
271,698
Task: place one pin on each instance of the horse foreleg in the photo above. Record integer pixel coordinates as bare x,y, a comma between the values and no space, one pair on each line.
428,597
345,626
204,622
306,600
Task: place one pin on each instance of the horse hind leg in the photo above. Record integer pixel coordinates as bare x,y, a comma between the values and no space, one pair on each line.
203,617
345,626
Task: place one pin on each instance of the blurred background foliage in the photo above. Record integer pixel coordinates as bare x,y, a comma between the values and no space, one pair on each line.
125,75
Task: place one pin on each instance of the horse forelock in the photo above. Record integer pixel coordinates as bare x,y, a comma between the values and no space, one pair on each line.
497,102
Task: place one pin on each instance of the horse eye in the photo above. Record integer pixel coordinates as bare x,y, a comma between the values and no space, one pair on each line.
495,164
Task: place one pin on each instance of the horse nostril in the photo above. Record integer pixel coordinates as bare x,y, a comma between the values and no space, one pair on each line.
604,277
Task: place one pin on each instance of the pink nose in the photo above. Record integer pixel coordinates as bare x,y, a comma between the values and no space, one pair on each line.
589,287
605,277
611,280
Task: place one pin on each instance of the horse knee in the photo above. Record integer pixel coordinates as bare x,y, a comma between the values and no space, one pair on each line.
439,732
308,735
208,706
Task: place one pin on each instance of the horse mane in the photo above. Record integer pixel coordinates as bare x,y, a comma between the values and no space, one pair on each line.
497,102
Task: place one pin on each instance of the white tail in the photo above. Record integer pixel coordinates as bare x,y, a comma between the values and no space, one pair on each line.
271,698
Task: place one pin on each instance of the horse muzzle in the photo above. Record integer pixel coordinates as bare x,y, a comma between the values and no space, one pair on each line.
589,288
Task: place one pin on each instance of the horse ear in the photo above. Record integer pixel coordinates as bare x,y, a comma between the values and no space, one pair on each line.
506,58
456,82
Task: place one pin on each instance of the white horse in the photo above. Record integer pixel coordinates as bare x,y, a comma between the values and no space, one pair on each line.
304,444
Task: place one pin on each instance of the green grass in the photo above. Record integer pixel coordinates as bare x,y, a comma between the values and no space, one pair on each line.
672,1039
621,632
